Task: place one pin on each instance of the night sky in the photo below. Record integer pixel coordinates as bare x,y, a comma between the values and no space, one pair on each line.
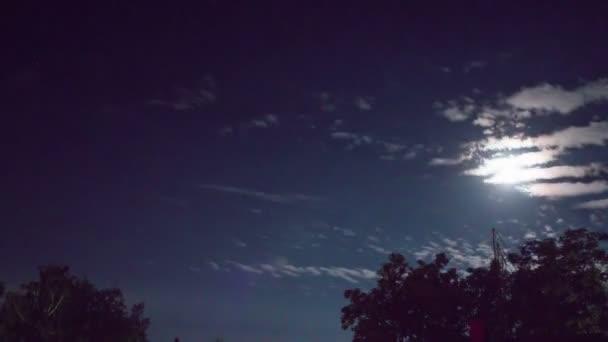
238,166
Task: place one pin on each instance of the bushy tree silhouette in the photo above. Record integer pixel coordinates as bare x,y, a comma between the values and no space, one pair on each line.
61,307
554,291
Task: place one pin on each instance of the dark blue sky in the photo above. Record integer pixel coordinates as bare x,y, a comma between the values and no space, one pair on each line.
237,167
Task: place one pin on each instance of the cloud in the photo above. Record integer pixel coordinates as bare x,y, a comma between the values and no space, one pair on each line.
265,196
185,99
194,269
509,112
595,204
239,243
344,231
214,265
505,160
246,268
373,238
461,253
476,64
353,138
554,98
379,249
226,130
393,147
363,103
499,163
524,175
457,110
265,121
530,235
279,269
446,161
595,133
564,189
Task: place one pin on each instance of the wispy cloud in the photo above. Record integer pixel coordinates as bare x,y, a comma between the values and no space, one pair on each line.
508,160
280,269
524,175
239,243
265,121
456,110
462,253
528,102
214,265
446,161
378,249
546,98
363,103
472,65
563,189
595,133
595,204
344,231
265,196
187,99
354,139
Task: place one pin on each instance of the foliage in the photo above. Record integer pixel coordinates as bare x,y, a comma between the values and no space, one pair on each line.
556,290
61,307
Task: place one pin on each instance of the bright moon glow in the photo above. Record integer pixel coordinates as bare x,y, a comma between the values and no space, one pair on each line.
512,169
527,168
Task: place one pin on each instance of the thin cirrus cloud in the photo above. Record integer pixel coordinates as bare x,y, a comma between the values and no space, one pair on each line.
265,121
595,204
260,195
280,269
189,99
525,175
354,139
565,189
388,150
595,133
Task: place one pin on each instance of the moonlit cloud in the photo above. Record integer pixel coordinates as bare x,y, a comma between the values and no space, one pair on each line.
363,103
462,254
457,110
446,161
557,190
524,104
354,139
265,121
188,99
476,64
345,231
265,196
595,133
524,175
214,265
499,163
595,204
378,249
554,98
279,269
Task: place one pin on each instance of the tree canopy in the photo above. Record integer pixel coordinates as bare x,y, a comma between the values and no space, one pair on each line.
61,307
554,290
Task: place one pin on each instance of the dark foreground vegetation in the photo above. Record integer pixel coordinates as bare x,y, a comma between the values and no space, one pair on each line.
60,307
549,290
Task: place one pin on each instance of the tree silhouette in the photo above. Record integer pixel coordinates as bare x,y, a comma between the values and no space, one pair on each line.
61,307
554,291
